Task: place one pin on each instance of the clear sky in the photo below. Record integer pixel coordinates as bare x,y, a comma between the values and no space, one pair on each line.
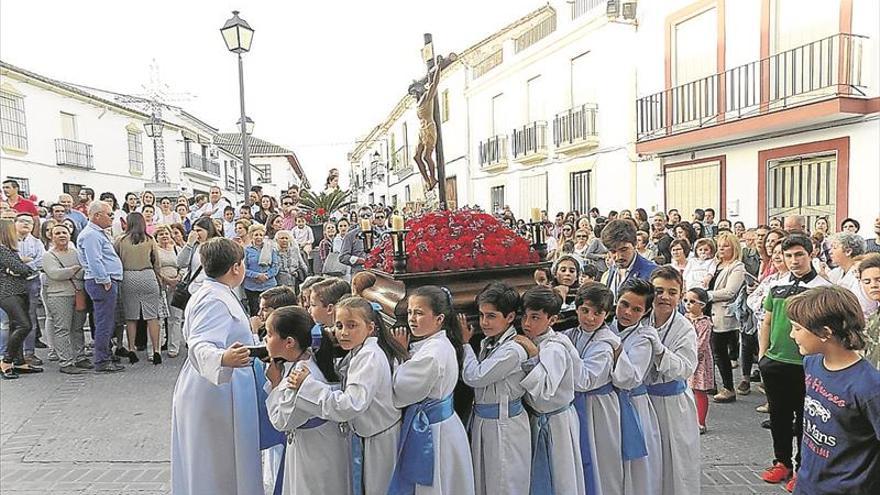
319,76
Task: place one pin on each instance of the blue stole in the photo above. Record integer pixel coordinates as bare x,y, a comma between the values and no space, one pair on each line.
580,405
357,464
632,437
279,478
667,389
542,467
415,451
269,436
493,411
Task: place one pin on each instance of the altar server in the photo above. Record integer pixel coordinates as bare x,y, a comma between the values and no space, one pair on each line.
499,426
595,401
675,359
640,432
433,456
364,404
214,421
316,451
549,383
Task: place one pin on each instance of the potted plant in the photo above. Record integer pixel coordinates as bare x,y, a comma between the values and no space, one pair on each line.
318,208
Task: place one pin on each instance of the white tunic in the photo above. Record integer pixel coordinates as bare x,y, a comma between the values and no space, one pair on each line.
640,476
365,404
501,447
596,350
677,415
214,424
432,372
549,387
317,458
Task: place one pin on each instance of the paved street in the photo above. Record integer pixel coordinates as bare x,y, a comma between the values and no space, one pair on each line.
109,434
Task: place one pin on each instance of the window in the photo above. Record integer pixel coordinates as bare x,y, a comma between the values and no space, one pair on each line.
498,120
583,81
405,134
444,106
13,126
68,126
695,52
535,100
24,185
265,173
372,198
406,194
394,200
496,196
580,191
135,153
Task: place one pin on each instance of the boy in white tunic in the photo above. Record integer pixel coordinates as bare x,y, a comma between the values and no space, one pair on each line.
549,383
641,470
214,422
499,426
675,359
595,401
364,403
433,456
316,450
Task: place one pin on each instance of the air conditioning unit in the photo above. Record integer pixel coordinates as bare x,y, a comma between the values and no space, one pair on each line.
629,10
612,9
214,152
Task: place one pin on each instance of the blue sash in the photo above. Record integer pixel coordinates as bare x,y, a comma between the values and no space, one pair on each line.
667,389
493,411
580,405
632,437
542,467
269,436
415,451
279,478
357,464
317,334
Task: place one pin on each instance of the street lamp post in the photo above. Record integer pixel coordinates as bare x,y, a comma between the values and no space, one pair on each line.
238,35
154,128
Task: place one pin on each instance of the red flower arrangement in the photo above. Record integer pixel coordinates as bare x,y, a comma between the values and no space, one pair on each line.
460,240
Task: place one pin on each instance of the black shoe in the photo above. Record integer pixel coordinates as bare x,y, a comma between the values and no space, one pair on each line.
34,360
756,377
132,357
40,345
27,369
165,347
9,374
115,359
157,358
84,364
765,424
110,367
121,352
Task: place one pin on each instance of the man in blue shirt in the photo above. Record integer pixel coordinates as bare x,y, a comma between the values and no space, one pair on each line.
78,218
103,274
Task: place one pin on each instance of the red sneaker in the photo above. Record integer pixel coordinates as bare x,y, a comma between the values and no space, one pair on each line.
776,474
791,483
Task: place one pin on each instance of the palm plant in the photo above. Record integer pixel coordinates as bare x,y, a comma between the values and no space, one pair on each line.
318,207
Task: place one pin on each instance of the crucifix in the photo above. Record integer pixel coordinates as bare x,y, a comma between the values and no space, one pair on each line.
433,170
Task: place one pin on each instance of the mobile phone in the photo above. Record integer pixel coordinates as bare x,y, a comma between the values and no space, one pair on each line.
258,351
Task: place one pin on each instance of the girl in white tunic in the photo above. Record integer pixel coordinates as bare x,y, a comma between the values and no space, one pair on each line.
499,426
557,468
641,474
675,359
316,450
214,422
424,385
364,403
600,421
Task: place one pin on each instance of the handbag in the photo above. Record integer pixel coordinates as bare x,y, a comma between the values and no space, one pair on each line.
79,295
332,265
181,291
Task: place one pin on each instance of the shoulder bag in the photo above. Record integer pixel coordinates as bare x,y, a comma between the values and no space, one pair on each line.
181,291
79,295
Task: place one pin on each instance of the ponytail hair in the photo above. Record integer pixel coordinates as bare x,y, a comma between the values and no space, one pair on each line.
293,322
392,349
440,301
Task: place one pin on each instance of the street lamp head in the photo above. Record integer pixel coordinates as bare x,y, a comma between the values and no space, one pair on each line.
376,156
248,125
154,127
237,34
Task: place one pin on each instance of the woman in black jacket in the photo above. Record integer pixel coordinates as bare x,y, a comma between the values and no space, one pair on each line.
14,275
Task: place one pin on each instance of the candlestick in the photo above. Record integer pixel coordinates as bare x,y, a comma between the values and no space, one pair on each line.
397,222
365,225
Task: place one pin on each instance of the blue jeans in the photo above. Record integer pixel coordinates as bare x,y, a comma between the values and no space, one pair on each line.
104,302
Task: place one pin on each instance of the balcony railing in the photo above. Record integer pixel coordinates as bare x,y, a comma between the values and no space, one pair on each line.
529,140
574,125
493,151
536,34
70,153
488,63
198,162
581,7
821,69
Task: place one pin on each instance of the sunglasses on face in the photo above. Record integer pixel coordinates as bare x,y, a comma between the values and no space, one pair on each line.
286,203
694,301
580,237
366,215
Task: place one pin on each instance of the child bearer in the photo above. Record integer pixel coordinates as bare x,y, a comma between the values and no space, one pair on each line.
500,428
642,461
674,361
550,385
595,401
841,445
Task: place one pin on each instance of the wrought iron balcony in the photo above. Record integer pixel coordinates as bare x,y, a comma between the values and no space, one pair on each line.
201,163
530,142
575,129
70,153
493,153
581,7
825,68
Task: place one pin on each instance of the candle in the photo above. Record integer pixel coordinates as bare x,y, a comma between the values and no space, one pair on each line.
365,225
536,215
397,222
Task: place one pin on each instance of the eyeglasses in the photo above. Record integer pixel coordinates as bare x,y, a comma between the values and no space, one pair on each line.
580,236
694,301
366,215
287,203
380,217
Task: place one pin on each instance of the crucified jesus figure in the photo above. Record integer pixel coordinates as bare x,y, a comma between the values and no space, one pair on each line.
424,155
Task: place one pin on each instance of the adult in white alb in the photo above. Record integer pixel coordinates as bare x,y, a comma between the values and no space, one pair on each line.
214,421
